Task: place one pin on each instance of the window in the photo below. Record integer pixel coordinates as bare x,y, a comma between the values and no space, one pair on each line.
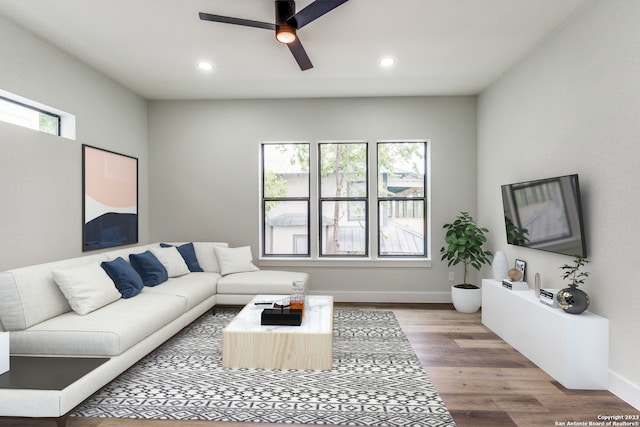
402,199
285,199
345,200
27,116
21,111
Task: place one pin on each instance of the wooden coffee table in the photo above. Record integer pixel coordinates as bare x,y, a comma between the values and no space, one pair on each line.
247,344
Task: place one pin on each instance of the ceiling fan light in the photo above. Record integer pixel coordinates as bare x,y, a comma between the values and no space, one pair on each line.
285,33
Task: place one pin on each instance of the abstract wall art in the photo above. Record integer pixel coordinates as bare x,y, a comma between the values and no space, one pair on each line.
109,199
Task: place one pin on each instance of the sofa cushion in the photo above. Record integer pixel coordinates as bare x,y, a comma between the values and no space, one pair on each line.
194,288
188,253
235,260
106,332
172,260
87,288
268,282
124,276
29,295
206,254
149,268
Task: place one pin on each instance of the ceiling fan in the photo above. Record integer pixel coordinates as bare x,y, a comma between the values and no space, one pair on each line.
287,24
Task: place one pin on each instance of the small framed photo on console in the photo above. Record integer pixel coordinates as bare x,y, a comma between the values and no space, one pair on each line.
522,267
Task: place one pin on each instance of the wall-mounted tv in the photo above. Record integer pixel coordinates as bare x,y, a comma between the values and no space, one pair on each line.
545,214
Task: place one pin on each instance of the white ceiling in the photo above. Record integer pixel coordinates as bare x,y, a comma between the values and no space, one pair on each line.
441,47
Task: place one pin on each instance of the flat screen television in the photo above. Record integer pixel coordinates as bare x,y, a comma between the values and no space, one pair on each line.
545,214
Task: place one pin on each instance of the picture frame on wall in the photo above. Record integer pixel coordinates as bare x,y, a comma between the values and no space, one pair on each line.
109,199
521,266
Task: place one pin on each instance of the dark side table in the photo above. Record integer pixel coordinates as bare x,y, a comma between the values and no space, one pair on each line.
47,373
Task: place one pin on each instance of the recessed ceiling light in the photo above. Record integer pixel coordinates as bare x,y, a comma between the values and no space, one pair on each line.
387,62
206,66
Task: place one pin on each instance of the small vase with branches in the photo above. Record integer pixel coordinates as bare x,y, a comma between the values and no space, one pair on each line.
573,300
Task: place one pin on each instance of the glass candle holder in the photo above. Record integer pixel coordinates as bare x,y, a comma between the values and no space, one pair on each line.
296,300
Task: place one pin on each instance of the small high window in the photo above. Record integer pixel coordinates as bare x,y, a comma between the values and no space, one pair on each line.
29,117
31,114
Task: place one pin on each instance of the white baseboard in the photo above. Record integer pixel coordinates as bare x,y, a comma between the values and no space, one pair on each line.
624,389
382,297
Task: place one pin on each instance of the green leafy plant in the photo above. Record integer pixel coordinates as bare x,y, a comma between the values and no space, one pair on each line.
515,234
464,241
572,272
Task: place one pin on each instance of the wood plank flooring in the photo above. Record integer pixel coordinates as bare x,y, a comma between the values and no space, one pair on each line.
482,380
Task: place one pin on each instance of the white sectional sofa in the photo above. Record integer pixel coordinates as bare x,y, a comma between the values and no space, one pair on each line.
40,306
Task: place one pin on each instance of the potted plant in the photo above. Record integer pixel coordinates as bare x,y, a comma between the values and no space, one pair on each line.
571,299
464,240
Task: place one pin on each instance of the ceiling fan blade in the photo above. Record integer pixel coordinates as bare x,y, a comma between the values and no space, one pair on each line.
237,21
298,52
313,11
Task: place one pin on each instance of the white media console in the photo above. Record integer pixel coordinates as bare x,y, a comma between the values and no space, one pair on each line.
572,348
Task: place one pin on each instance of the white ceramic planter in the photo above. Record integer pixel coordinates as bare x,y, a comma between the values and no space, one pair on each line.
466,300
4,352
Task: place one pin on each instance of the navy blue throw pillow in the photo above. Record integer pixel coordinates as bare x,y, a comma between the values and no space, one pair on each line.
127,281
149,268
188,253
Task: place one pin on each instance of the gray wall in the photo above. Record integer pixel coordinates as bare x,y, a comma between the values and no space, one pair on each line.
41,174
573,106
204,174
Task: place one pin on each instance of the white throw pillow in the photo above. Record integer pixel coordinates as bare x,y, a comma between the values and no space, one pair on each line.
87,288
235,260
171,259
206,254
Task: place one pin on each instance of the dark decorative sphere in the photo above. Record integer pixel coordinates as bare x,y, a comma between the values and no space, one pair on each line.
573,300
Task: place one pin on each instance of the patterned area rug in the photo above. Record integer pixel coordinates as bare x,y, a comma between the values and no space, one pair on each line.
376,380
